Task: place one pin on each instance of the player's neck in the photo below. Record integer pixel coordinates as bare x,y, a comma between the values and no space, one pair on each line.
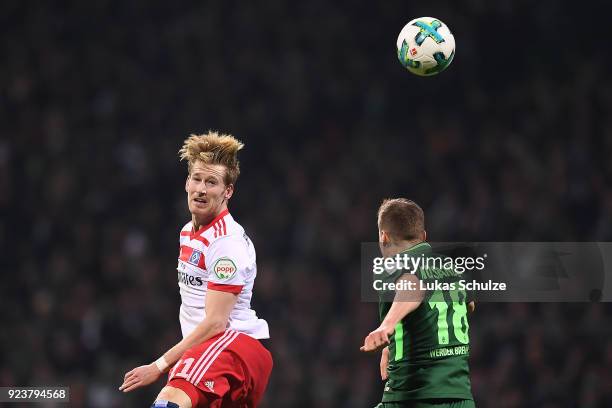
199,222
395,248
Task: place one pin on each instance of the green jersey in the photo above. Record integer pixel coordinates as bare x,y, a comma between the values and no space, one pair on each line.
428,353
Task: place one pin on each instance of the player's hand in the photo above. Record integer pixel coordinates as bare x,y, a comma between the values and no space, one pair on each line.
377,339
139,377
384,362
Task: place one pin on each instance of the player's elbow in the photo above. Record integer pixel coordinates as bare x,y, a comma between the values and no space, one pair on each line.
217,325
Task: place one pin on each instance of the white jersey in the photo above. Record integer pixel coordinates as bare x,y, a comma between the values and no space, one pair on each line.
219,256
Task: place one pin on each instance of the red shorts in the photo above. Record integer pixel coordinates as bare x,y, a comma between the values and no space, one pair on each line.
230,369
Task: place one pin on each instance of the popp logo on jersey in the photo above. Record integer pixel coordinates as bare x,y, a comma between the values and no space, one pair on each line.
224,268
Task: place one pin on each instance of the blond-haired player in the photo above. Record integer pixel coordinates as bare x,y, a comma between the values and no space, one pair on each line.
219,361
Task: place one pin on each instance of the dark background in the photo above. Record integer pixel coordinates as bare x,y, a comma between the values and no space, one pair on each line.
512,143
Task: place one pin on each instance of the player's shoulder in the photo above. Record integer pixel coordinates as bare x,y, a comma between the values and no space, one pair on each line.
187,228
227,231
229,241
185,233
232,227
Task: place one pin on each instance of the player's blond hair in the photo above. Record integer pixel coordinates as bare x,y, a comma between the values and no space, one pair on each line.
403,219
213,148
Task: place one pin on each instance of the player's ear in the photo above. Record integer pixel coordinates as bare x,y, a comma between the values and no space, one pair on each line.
187,183
385,239
229,191
424,236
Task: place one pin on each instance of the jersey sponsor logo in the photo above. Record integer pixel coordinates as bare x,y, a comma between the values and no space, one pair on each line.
195,257
224,268
450,351
189,280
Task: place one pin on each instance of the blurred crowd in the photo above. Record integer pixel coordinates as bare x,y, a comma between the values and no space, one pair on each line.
512,143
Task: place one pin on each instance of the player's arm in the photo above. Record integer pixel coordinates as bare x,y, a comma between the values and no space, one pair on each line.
219,305
404,302
221,295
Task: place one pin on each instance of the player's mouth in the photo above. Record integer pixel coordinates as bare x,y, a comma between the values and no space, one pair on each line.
200,201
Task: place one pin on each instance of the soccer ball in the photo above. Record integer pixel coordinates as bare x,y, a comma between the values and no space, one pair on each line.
425,46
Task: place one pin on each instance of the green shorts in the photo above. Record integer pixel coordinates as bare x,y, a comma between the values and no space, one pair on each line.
429,403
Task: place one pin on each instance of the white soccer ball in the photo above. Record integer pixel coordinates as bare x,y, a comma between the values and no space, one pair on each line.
425,46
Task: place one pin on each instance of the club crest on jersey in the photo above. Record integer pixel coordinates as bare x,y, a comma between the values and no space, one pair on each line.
224,268
195,257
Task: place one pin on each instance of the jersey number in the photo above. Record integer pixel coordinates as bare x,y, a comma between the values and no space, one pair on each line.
458,311
184,372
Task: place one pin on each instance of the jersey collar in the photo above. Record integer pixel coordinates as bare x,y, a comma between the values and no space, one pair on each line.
419,248
203,229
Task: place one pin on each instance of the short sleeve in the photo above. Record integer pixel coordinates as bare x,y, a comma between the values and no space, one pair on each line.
228,263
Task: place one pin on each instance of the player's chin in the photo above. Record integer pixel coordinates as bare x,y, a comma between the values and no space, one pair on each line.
199,209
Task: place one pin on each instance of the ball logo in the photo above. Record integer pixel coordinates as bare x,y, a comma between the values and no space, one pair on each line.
428,30
224,268
413,51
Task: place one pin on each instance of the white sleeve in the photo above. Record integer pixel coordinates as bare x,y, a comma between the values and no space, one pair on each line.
228,263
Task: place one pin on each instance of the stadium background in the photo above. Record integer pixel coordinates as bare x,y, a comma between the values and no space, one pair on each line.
513,142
